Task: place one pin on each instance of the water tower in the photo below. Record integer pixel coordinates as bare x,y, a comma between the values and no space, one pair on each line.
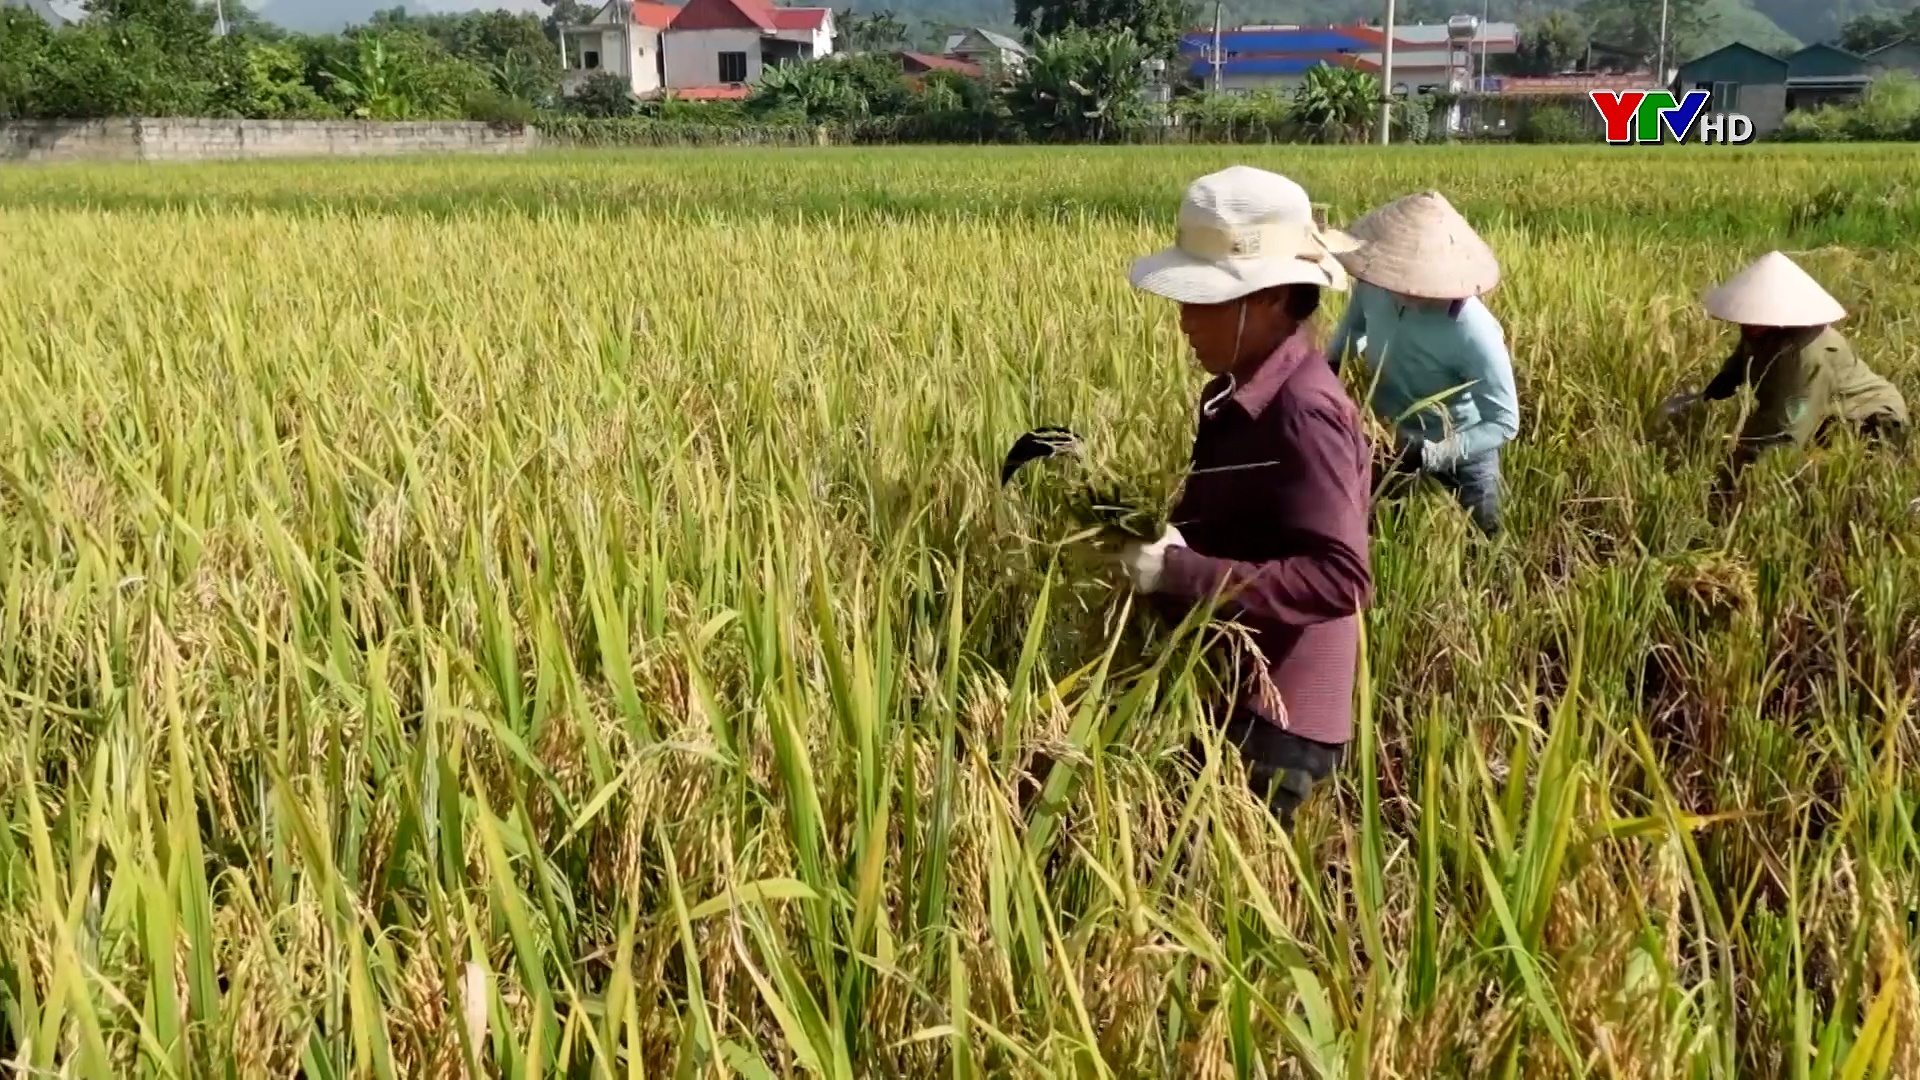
1462,32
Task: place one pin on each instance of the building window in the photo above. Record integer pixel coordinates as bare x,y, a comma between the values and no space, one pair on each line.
1726,97
591,59
733,67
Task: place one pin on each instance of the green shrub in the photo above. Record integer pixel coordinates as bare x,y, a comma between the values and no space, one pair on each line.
499,109
1829,124
1413,120
1553,124
1888,111
1262,116
603,96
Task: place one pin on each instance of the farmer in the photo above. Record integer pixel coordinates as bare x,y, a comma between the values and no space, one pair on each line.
1273,515
1804,374
1436,359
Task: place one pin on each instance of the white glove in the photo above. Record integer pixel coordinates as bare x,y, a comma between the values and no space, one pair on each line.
1143,563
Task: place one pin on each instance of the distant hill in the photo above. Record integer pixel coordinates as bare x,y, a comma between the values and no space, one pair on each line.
1735,21
1815,20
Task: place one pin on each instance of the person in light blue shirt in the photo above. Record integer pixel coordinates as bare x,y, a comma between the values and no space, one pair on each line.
1438,370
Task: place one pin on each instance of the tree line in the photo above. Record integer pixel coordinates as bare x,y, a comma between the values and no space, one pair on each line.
1088,78
165,58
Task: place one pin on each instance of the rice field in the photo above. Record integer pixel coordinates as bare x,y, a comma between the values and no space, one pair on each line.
557,617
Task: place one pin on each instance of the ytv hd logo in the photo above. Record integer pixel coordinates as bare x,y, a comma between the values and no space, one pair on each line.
1636,116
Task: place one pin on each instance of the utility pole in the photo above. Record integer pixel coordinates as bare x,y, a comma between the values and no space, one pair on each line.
1386,81
1661,72
623,17
1486,8
1217,10
220,17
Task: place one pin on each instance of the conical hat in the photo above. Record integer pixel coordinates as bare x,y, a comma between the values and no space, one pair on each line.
1420,246
1773,292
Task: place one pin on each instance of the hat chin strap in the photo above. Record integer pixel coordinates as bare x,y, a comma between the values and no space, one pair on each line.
1208,408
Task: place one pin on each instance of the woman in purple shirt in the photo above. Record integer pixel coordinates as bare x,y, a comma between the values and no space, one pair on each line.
1272,520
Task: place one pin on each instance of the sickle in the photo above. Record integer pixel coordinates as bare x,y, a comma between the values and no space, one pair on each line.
1036,444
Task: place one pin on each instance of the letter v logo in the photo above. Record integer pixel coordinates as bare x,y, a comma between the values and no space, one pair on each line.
1618,111
1681,117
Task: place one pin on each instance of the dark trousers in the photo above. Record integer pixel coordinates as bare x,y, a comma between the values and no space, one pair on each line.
1474,484
1282,768
1881,430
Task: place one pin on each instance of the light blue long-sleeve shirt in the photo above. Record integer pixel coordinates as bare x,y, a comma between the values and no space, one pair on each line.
1413,354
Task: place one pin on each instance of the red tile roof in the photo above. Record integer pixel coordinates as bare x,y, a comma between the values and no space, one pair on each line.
914,61
653,16
724,15
801,18
746,15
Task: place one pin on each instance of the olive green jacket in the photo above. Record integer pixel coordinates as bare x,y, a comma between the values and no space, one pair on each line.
1802,380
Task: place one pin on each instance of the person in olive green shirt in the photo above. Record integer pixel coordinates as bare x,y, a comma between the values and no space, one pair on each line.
1804,374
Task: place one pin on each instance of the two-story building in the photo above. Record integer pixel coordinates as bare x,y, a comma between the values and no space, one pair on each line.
624,37
714,43
1427,58
701,49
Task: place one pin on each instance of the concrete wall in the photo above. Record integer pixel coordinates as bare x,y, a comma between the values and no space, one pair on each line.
1765,105
644,59
819,41
693,56
207,140
1407,79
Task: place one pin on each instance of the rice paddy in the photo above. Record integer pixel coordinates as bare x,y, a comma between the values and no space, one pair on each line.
558,617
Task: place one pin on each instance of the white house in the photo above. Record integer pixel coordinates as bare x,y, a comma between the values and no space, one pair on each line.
986,49
705,49
623,38
40,8
717,48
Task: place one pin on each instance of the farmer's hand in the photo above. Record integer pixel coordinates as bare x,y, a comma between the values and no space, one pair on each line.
1143,563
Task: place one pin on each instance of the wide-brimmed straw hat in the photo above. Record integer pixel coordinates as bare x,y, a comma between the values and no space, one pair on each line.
1242,230
1774,291
1420,246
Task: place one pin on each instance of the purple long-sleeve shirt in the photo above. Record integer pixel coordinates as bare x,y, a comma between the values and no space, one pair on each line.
1274,513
